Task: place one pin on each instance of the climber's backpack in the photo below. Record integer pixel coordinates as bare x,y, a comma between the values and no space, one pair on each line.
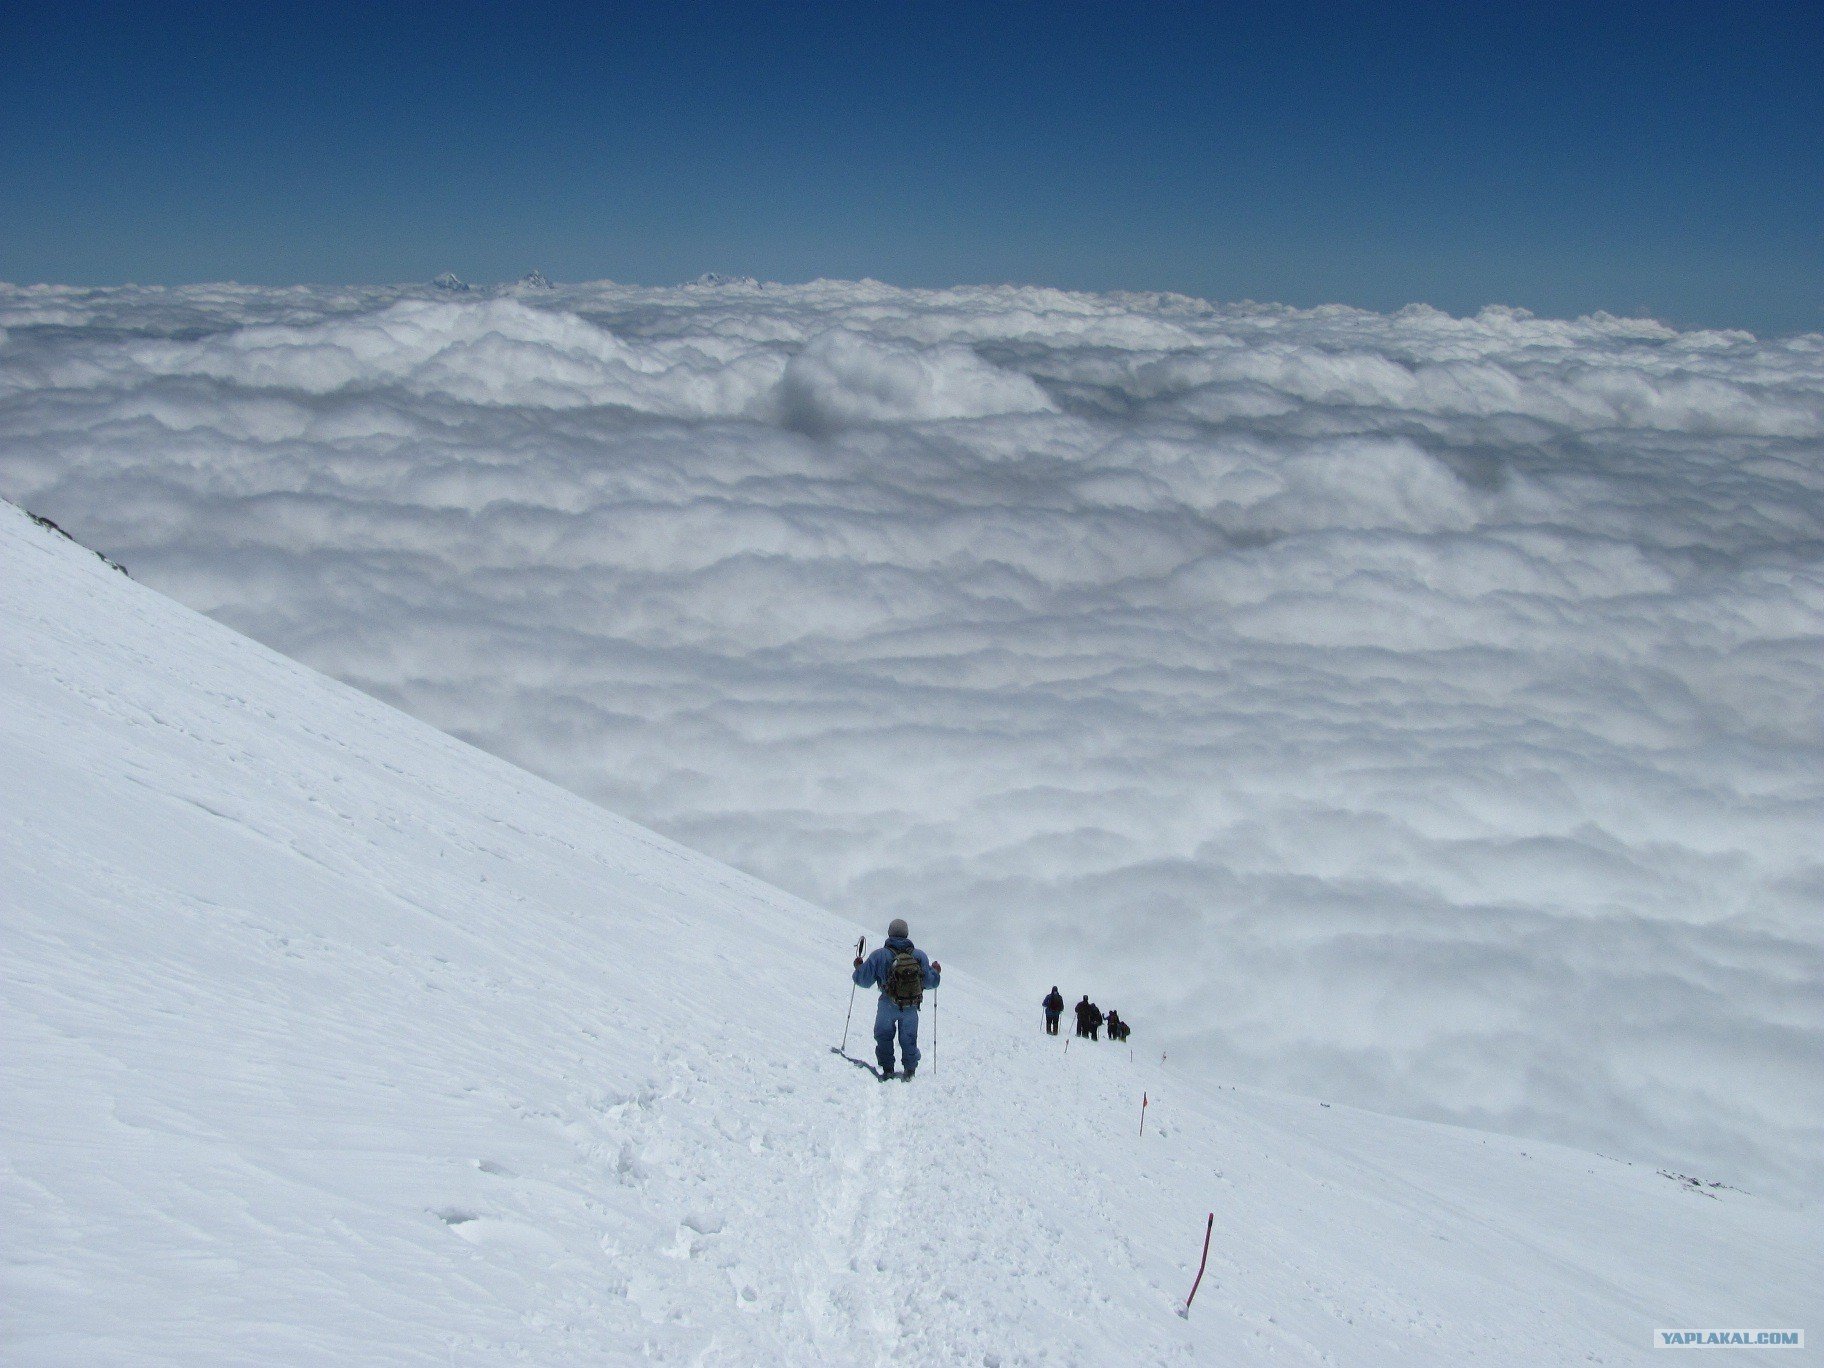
905,979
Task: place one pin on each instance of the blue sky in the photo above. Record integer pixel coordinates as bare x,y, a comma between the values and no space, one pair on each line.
1666,158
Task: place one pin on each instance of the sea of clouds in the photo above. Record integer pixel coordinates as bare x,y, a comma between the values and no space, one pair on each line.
1417,711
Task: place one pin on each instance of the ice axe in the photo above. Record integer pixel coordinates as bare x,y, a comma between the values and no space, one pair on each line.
861,948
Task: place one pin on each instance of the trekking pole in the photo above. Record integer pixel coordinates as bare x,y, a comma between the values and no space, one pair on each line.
934,1033
860,948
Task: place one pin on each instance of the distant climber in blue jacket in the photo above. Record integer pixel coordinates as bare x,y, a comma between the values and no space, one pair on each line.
902,973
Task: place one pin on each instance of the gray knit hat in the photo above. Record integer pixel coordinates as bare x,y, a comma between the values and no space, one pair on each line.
897,927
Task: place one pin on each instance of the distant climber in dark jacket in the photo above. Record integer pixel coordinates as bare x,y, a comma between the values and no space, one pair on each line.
897,1016
1117,1028
1084,1012
1095,1021
1054,1008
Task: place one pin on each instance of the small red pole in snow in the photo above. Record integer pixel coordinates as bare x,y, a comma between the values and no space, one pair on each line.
1185,1310
1143,1115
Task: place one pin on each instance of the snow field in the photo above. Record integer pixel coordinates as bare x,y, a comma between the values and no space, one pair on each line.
332,1039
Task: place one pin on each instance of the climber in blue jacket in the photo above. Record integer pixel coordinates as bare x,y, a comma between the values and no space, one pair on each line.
902,972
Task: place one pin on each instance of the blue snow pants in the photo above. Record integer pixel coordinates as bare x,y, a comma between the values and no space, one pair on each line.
891,1018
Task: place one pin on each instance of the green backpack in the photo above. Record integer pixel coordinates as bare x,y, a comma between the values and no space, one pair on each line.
905,979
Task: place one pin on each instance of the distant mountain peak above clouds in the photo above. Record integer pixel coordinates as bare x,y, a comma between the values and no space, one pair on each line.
452,282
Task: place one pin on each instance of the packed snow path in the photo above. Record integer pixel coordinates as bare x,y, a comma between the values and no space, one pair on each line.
332,1040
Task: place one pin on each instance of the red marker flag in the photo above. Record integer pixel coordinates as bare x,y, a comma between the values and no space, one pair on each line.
1185,1310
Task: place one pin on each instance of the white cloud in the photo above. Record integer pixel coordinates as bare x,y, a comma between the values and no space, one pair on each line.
1426,712
842,378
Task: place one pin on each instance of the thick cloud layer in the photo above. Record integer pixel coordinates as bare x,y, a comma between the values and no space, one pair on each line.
1423,712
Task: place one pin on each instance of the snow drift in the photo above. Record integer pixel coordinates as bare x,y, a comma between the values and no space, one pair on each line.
333,1040
1417,710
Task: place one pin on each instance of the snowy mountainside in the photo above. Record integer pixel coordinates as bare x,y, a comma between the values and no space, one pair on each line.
332,1039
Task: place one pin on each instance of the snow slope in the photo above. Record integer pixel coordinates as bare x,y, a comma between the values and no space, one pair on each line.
330,1039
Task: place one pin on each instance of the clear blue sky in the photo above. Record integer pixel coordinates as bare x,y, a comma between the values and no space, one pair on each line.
1664,157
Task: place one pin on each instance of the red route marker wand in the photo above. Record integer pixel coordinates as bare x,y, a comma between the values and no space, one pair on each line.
1185,1310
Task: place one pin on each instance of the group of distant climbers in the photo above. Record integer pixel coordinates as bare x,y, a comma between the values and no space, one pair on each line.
1090,1019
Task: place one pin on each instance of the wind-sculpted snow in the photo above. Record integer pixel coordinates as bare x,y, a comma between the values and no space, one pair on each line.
1420,711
